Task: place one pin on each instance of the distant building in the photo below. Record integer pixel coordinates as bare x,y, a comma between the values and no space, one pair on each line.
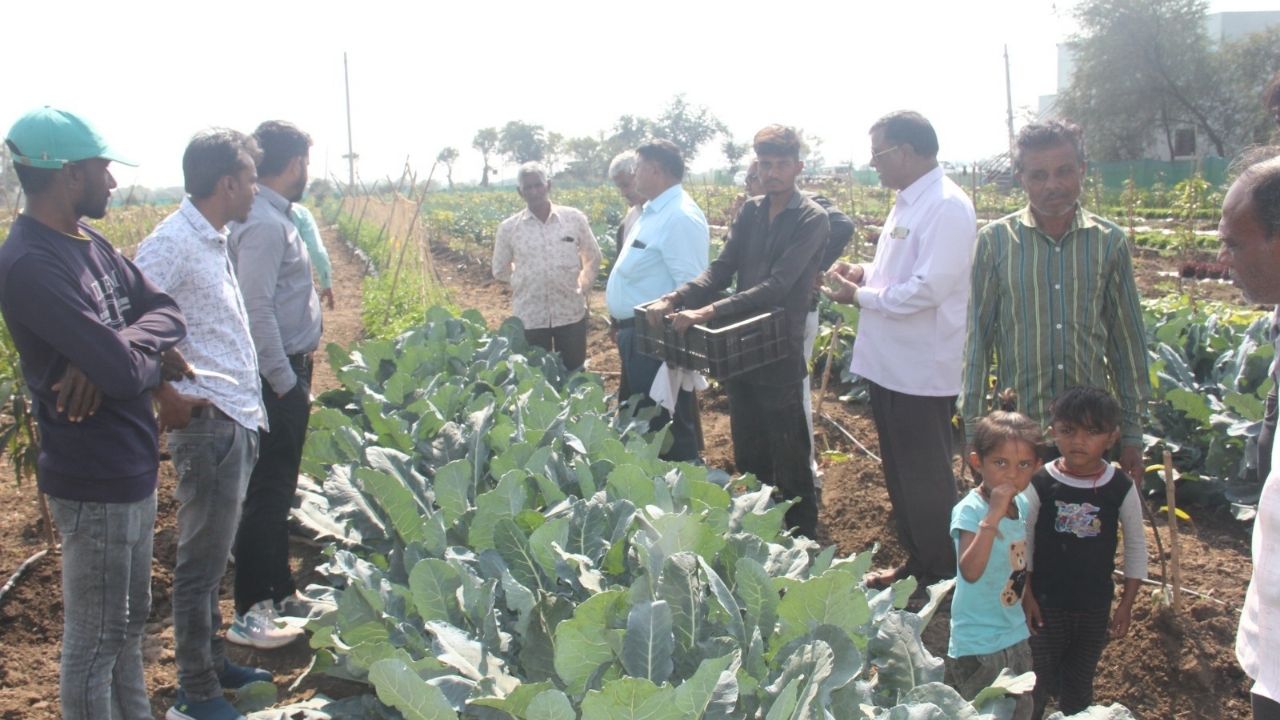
1221,27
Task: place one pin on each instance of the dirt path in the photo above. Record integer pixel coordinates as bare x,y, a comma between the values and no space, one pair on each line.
1168,667
31,617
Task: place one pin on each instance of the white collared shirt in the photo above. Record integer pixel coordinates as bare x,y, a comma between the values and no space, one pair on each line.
187,258
915,292
551,265
1258,638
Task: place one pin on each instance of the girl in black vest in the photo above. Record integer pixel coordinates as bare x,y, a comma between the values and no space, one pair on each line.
1077,504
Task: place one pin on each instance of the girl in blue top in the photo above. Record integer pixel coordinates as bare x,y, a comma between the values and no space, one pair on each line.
988,627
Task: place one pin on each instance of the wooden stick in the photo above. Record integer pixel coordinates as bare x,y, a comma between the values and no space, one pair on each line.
826,367
1170,490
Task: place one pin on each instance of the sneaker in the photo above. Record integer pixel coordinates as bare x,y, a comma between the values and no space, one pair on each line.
259,628
234,677
213,709
298,605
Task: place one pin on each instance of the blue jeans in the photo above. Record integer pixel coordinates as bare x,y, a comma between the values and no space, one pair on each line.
106,597
213,457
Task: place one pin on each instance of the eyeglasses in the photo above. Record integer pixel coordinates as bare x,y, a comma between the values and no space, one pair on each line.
875,155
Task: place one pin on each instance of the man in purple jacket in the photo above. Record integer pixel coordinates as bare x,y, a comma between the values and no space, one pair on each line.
90,331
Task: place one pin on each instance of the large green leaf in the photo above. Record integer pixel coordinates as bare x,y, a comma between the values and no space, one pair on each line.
435,585
649,644
681,587
550,705
402,689
513,546
583,643
397,502
631,699
756,592
832,599
454,489
696,694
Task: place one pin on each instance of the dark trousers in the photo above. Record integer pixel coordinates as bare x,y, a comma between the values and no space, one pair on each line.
1065,653
568,340
262,541
1264,708
771,440
915,447
1267,436
638,372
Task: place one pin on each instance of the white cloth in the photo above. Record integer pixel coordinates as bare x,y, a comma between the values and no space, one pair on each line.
915,292
1258,639
187,258
668,383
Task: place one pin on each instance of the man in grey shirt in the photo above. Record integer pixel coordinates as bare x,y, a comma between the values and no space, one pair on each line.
274,271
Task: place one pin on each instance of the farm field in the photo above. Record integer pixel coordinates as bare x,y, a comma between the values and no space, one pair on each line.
1170,666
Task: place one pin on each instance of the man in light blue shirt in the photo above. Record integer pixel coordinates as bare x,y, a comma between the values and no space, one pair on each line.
667,246
310,232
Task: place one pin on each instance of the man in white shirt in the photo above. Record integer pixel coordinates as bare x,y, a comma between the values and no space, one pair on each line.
550,257
1250,236
914,297
212,421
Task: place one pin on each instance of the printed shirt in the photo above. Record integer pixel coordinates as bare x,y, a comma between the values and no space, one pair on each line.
274,271
668,245
550,265
310,232
986,615
1258,638
1073,527
1055,314
187,258
915,291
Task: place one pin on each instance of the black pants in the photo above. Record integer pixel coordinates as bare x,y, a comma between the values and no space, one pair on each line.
915,447
638,372
262,541
1264,708
1065,653
568,340
771,440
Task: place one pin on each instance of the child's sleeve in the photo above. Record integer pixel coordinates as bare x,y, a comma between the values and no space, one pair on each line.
965,516
1135,537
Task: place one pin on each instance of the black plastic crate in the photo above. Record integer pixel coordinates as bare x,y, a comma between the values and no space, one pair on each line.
723,348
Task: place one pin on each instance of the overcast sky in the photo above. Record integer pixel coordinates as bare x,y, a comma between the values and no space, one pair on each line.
427,75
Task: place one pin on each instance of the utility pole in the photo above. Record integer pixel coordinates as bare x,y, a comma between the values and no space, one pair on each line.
1008,98
351,153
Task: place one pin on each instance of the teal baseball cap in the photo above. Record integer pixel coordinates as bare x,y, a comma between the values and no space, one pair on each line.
50,138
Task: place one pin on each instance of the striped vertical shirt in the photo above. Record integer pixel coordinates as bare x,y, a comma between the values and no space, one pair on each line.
1053,315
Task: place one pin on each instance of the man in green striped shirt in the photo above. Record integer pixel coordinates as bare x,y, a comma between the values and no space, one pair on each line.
1053,301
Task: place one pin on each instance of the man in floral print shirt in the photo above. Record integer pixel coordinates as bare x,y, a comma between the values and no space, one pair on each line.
550,257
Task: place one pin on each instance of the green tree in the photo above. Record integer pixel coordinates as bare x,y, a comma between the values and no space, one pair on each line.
522,142
485,141
1142,64
688,126
448,156
589,160
552,151
734,152
1246,65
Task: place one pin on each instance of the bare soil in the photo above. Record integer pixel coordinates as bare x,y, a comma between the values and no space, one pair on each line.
1168,667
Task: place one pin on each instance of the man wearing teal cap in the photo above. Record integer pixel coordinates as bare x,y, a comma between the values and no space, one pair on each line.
91,332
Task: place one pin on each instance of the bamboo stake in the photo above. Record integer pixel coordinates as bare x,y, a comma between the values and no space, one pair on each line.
826,367
1170,490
